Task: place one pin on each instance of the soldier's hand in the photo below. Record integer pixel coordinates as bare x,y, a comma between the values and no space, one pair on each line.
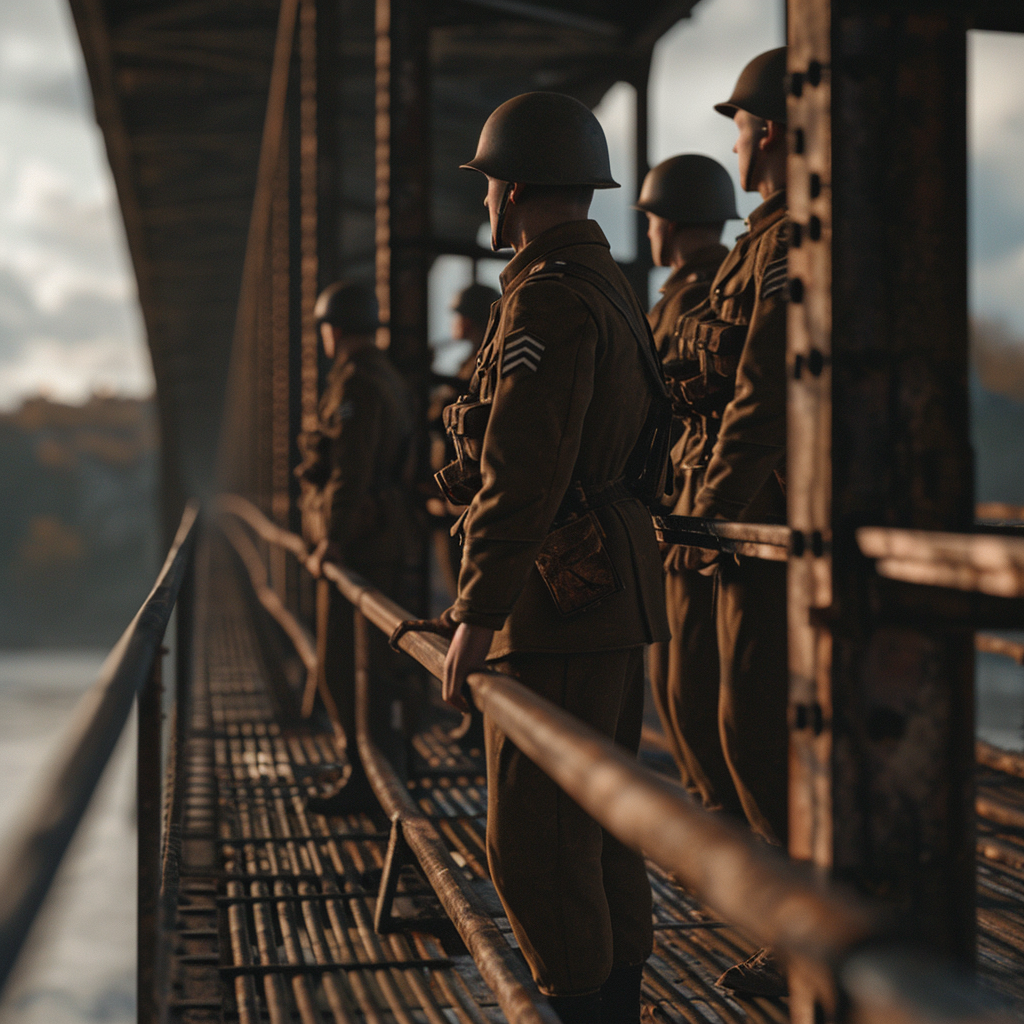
673,557
325,551
701,560
466,654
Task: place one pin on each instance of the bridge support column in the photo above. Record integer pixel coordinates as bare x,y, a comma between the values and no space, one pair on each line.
881,699
403,178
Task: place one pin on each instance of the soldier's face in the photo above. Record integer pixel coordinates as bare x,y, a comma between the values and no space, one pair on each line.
495,191
748,140
658,231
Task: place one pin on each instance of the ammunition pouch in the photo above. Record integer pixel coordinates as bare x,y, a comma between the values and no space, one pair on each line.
573,561
459,481
703,382
466,424
576,567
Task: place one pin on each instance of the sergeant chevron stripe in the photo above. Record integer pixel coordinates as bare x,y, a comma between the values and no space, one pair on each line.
524,350
775,277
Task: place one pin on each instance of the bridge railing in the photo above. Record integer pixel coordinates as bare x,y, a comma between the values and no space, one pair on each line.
36,846
846,948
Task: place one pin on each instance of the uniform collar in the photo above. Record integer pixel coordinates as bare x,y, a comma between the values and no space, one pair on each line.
574,232
770,211
708,255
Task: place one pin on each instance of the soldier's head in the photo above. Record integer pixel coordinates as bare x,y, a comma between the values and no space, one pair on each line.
472,309
758,106
687,199
346,316
543,154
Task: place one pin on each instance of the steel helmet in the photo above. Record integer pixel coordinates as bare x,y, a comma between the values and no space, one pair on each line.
761,88
689,189
544,138
474,302
350,307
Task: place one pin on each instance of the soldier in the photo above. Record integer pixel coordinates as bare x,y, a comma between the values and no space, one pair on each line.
547,440
472,309
354,475
687,200
735,344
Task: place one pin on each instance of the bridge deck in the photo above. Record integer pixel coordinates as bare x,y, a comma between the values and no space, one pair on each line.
275,910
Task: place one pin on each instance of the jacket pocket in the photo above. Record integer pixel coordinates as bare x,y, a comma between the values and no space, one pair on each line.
576,567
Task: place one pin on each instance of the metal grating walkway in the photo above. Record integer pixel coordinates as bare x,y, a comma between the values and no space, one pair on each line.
275,911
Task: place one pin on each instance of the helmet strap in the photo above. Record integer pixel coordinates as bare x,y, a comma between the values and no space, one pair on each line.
499,221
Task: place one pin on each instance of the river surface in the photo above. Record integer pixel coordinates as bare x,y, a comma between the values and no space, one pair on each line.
81,964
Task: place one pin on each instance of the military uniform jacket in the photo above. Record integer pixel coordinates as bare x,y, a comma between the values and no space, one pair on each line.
569,394
685,289
355,463
736,343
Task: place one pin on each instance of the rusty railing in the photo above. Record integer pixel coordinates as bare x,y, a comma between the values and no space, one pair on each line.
34,852
846,947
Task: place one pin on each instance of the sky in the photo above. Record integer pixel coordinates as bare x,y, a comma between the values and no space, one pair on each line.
69,320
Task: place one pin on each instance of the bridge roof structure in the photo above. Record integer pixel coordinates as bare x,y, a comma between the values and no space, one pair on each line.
180,90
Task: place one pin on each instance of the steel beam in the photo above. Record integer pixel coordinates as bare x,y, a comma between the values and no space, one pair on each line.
881,791
403,178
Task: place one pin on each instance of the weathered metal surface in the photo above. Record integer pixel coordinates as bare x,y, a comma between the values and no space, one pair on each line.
881,791
403,138
149,773
986,563
756,540
262,773
308,204
290,625
999,645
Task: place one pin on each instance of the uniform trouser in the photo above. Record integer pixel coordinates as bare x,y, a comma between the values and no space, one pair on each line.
579,902
336,662
752,649
685,686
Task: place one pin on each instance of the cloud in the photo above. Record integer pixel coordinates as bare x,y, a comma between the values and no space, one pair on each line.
71,373
41,70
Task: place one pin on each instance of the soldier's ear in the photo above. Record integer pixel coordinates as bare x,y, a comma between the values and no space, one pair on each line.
772,132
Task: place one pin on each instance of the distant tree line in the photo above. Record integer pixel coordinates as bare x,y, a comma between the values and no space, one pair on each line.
78,528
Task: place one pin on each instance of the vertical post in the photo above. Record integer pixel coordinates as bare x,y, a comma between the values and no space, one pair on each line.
279,413
403,200
881,704
403,178
150,724
329,165
308,262
809,461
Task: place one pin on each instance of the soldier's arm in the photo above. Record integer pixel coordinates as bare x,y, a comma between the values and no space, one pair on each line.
353,452
530,448
752,441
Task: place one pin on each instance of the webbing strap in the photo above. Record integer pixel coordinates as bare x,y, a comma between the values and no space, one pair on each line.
642,332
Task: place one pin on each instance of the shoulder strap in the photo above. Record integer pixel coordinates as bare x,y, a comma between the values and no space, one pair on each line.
638,325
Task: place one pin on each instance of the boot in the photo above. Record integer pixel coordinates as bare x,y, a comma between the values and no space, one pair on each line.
620,995
577,1009
758,975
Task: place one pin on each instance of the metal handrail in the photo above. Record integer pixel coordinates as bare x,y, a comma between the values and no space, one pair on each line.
32,856
981,563
777,902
